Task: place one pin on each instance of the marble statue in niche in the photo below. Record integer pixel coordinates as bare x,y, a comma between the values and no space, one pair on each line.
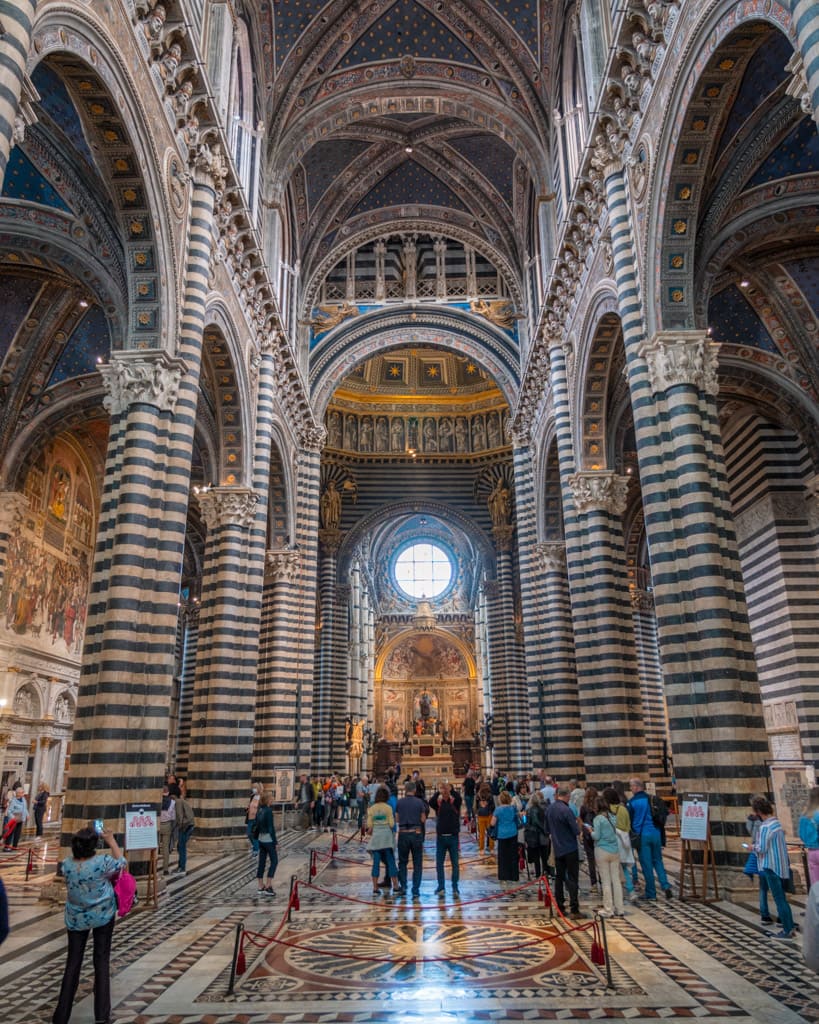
478,434
62,709
412,433
445,434
330,507
461,434
430,438
365,434
334,429
397,434
24,703
493,430
351,433
382,434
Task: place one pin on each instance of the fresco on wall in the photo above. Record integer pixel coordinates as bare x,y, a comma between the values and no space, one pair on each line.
425,657
44,597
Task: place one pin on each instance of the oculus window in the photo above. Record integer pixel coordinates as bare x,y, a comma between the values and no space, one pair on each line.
423,570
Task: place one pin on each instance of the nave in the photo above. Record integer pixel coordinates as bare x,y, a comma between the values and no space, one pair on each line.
489,956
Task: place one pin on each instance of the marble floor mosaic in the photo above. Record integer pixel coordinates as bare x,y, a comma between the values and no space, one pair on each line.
346,956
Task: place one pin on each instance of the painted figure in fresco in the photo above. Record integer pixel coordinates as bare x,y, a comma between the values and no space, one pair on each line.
461,434
382,434
397,433
59,494
478,434
330,507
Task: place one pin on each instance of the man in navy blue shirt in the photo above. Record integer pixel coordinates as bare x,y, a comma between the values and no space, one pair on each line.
411,813
564,828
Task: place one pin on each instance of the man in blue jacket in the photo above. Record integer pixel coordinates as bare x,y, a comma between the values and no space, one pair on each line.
564,827
651,855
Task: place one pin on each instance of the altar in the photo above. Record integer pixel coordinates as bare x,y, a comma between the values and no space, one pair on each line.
428,754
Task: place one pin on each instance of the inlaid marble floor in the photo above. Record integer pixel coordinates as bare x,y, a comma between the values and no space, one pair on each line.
349,957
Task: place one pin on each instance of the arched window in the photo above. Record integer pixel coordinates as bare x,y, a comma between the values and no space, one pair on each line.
219,52
243,131
572,113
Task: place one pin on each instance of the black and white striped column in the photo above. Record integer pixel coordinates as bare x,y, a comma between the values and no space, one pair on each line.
655,720
224,690
511,700
806,20
607,679
16,19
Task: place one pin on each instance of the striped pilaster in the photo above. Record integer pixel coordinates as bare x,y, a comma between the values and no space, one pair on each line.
806,20
190,642
560,684
494,672
331,679
535,636
512,702
16,18
559,705
607,679
224,691
119,745
655,720
711,693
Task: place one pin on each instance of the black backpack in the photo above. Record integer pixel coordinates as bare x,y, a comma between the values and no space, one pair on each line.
659,811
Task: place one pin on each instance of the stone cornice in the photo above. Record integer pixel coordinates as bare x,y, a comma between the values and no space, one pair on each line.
146,377
228,506
599,491
676,358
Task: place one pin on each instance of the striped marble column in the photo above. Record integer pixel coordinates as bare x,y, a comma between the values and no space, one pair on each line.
330,705
806,20
559,702
119,744
512,700
13,505
16,19
726,764
224,689
607,679
712,690
190,642
494,677
655,720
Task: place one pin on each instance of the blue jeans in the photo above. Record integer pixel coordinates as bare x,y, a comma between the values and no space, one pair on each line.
389,862
651,860
254,843
444,845
184,836
783,908
267,850
627,879
410,844
470,804
764,908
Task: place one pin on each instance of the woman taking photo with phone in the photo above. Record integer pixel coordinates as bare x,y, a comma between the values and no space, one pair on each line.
90,906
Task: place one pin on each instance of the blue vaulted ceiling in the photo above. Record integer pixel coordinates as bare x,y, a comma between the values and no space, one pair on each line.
733,320
409,183
24,181
407,28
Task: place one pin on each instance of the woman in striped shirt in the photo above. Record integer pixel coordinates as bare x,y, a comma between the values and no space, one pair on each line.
774,865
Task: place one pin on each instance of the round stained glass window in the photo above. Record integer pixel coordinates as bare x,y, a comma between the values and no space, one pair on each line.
423,570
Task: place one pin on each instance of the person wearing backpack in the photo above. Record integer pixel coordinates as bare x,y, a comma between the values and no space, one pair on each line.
809,834
185,822
90,906
650,848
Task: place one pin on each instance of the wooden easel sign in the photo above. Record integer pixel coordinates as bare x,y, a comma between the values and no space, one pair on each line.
141,834
695,828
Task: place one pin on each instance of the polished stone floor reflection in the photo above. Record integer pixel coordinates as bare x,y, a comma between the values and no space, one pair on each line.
346,956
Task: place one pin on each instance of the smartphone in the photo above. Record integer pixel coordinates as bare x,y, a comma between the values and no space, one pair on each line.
745,846
99,826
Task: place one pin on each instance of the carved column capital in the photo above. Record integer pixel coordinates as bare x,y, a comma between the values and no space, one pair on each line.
641,600
208,165
551,556
491,589
330,540
313,438
607,154
146,377
503,537
13,505
228,506
681,357
283,565
599,490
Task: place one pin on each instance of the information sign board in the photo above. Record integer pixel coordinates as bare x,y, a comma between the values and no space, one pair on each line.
140,826
694,819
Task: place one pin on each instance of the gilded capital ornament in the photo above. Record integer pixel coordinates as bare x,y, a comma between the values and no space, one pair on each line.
13,505
550,556
283,565
598,490
228,506
677,358
330,540
145,377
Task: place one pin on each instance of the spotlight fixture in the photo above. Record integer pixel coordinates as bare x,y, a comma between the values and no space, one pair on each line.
744,283
407,149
